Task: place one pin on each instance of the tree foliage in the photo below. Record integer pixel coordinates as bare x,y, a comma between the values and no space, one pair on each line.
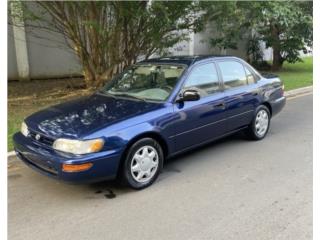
110,35
286,26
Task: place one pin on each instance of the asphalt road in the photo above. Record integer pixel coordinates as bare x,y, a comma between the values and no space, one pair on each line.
232,189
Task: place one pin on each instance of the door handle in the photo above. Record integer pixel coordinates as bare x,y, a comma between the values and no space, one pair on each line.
219,105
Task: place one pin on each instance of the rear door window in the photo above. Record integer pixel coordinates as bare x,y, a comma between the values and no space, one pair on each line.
250,76
233,74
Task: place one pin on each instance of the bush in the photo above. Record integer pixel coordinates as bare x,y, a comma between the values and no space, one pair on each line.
261,65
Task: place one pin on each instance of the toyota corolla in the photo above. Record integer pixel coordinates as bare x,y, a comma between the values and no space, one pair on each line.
154,110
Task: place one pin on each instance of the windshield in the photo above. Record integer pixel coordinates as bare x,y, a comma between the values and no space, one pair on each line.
146,82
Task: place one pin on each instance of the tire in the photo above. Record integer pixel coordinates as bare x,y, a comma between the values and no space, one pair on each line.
259,126
143,164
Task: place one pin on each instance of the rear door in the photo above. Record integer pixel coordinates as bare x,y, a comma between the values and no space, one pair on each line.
241,96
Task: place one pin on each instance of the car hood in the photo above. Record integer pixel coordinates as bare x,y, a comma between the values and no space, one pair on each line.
80,117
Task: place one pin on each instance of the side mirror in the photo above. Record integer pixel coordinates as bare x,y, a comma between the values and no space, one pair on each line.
189,95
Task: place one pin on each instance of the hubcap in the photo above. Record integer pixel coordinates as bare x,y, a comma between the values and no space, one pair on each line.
262,123
144,164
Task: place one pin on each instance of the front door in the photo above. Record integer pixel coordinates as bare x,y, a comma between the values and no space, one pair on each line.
202,120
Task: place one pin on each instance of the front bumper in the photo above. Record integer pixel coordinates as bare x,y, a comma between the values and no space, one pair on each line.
49,162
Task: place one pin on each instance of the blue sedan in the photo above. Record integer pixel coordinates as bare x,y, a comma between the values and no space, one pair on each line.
154,110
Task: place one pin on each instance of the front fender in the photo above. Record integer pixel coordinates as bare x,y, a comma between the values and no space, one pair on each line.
120,138
132,132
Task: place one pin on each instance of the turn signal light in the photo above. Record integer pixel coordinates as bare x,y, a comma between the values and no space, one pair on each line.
96,146
76,167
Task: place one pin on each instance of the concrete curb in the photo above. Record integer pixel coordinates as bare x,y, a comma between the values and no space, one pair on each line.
298,91
288,94
10,154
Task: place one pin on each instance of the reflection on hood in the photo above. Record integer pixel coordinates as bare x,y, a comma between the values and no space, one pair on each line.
82,116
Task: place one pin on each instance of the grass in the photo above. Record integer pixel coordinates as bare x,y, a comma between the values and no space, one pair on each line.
16,116
26,98
14,123
297,75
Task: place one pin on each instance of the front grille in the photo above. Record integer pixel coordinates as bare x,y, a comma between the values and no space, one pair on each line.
42,167
43,139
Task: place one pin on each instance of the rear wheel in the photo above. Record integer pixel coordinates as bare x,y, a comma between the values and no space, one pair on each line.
143,163
259,126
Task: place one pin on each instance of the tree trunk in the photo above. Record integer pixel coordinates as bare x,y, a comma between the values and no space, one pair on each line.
89,77
102,78
277,58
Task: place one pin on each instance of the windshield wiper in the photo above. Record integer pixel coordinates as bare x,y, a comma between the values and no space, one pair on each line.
128,95
105,93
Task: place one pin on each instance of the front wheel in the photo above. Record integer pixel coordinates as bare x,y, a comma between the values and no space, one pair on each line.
259,126
142,164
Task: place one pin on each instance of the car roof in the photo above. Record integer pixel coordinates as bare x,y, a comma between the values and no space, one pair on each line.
187,59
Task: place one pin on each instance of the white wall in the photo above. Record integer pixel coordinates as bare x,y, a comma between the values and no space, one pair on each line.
49,56
47,53
199,45
202,46
12,62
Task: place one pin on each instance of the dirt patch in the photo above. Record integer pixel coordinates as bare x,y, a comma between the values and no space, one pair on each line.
44,90
28,97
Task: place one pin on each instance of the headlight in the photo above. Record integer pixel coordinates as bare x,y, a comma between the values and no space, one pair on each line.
77,146
24,129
